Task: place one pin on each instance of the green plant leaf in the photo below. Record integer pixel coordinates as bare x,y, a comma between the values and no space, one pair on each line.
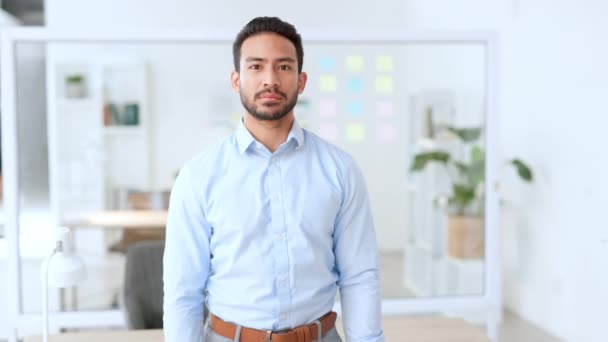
478,154
462,197
473,173
466,134
422,159
522,170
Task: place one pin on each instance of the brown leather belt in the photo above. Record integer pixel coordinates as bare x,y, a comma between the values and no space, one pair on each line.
303,333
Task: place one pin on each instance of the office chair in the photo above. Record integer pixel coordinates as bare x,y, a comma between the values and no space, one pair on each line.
143,287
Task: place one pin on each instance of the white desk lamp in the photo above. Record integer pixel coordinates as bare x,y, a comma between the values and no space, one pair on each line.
59,270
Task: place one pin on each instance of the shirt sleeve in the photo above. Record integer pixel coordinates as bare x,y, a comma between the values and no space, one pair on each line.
356,254
186,263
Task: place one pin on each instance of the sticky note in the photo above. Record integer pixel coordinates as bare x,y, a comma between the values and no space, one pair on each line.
385,109
387,134
328,83
355,132
384,84
384,63
328,64
354,63
328,131
355,108
355,84
328,108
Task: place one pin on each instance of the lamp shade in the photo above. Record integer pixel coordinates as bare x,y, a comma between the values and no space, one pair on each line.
65,270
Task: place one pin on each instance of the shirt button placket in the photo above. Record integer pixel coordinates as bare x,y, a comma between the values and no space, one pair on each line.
280,244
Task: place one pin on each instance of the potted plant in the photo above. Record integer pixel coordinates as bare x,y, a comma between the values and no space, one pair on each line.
465,202
75,86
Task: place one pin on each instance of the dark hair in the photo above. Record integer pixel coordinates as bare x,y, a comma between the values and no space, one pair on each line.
264,25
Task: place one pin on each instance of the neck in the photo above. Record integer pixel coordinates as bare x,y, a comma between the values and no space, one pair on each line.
271,133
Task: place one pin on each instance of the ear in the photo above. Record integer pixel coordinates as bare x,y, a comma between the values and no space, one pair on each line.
302,78
235,81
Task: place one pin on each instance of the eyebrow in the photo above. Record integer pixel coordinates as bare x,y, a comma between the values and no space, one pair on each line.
259,59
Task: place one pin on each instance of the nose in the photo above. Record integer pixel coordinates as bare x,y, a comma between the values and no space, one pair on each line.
271,79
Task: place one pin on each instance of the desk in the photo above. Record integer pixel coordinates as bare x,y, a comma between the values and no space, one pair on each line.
396,329
125,219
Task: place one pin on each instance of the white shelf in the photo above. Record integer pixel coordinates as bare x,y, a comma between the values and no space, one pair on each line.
123,129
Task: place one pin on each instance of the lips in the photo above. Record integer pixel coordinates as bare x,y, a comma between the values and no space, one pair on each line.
270,97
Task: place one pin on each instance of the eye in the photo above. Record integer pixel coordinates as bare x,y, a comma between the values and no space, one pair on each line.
284,67
254,67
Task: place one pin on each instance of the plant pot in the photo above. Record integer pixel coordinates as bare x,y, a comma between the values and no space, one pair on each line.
75,90
466,237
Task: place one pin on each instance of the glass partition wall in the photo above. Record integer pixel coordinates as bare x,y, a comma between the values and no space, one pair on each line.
104,123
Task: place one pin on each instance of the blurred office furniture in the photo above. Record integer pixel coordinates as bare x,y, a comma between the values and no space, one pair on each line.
140,200
90,155
143,285
116,219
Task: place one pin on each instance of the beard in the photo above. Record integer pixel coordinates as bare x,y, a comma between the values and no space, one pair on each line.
269,112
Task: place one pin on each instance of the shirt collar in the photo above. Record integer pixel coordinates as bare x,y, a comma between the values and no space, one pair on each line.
245,139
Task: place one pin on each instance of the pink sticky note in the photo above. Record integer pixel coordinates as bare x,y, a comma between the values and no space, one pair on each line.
328,108
329,131
385,109
387,134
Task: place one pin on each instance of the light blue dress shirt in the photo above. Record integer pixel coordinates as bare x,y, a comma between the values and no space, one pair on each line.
265,239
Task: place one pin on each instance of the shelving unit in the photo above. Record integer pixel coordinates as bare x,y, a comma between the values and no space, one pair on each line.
82,145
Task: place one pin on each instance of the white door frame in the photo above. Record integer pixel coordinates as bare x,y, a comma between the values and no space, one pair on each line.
489,303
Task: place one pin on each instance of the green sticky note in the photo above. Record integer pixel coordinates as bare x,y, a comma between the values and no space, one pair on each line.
328,83
384,63
355,132
384,84
354,63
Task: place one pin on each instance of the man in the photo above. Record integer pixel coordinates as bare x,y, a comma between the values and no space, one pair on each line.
266,225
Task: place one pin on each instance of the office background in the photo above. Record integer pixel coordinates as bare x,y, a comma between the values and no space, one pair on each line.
552,82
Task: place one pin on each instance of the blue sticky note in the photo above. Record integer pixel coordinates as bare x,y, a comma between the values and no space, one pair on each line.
355,84
355,108
328,64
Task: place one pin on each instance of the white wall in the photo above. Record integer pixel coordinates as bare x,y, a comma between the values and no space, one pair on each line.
553,112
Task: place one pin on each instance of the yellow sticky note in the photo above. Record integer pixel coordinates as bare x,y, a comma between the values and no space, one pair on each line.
384,84
354,63
384,63
328,83
355,132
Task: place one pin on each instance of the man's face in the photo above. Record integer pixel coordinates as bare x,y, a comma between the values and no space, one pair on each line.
268,81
